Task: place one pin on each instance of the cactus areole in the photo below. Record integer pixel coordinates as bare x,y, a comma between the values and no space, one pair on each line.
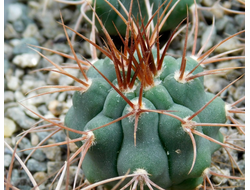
148,114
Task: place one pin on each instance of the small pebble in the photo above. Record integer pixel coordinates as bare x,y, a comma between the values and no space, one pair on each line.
217,11
13,83
42,135
53,167
241,116
9,141
34,6
240,20
206,35
22,46
30,113
10,32
46,20
64,48
25,144
239,93
221,180
34,139
6,66
9,127
49,32
18,25
40,177
54,58
35,166
31,31
9,105
55,107
19,96
221,23
72,173
39,155
8,96
17,115
7,160
65,80
15,11
60,137
7,51
73,147
27,86
6,11
14,42
53,152
241,165
26,60
37,101
15,177
62,96
19,73
214,84
228,64
207,3
42,109
230,29
53,78
228,45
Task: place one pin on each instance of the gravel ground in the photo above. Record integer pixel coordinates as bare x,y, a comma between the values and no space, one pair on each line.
25,23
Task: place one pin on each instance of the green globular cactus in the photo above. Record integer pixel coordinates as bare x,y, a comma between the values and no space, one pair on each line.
110,17
148,116
162,145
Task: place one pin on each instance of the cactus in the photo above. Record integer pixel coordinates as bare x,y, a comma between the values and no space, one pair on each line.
107,14
147,114
162,143
139,113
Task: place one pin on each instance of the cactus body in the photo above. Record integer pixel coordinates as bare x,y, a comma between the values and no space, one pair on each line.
163,147
110,18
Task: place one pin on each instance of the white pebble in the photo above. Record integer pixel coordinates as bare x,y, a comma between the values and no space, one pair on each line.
10,32
65,80
239,93
26,60
9,127
241,116
30,31
34,139
13,83
15,12
228,45
221,180
30,113
53,77
214,84
19,96
206,35
8,96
